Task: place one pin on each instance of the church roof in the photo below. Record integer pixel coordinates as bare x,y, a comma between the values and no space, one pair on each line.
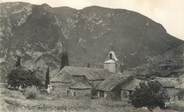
89,73
113,81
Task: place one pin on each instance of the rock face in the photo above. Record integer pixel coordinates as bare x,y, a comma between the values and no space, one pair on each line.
39,33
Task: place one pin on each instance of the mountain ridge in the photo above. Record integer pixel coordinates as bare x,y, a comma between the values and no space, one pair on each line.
88,34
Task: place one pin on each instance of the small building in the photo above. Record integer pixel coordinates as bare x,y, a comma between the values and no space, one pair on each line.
111,87
80,89
171,85
129,87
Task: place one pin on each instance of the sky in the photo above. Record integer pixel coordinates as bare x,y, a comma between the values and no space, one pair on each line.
169,13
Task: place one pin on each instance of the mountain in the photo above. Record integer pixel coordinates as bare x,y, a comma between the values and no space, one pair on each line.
168,64
39,33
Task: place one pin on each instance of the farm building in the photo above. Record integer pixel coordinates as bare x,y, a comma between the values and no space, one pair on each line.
71,75
80,89
128,87
171,85
111,87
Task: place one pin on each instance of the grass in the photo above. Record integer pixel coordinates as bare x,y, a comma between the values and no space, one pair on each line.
31,92
14,101
177,105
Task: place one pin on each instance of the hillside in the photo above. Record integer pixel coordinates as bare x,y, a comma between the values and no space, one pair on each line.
168,64
39,33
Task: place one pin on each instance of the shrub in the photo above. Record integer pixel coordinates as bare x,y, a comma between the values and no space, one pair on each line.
31,92
22,76
150,95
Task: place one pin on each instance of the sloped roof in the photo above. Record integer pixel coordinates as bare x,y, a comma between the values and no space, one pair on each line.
167,82
89,73
96,83
80,85
131,85
62,78
113,55
113,81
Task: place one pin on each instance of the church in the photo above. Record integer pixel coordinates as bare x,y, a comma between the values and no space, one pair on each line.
83,81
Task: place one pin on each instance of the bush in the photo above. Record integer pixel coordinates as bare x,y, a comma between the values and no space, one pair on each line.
150,95
22,76
31,92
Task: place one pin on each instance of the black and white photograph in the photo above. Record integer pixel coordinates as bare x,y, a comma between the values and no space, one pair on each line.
91,55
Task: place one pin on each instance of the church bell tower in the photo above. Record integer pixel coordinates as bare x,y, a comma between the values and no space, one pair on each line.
110,63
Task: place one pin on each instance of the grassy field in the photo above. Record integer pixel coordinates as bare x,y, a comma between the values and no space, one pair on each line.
14,101
177,105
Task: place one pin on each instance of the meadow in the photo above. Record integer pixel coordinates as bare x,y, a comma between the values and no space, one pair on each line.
14,101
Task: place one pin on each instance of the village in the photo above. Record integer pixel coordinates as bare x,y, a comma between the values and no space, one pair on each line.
107,82
95,83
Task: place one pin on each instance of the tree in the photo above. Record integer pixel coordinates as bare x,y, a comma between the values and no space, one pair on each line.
64,59
18,62
150,95
21,76
47,78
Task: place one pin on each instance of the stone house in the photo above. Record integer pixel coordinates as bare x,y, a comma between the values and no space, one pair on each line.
111,88
129,87
80,89
70,77
171,85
